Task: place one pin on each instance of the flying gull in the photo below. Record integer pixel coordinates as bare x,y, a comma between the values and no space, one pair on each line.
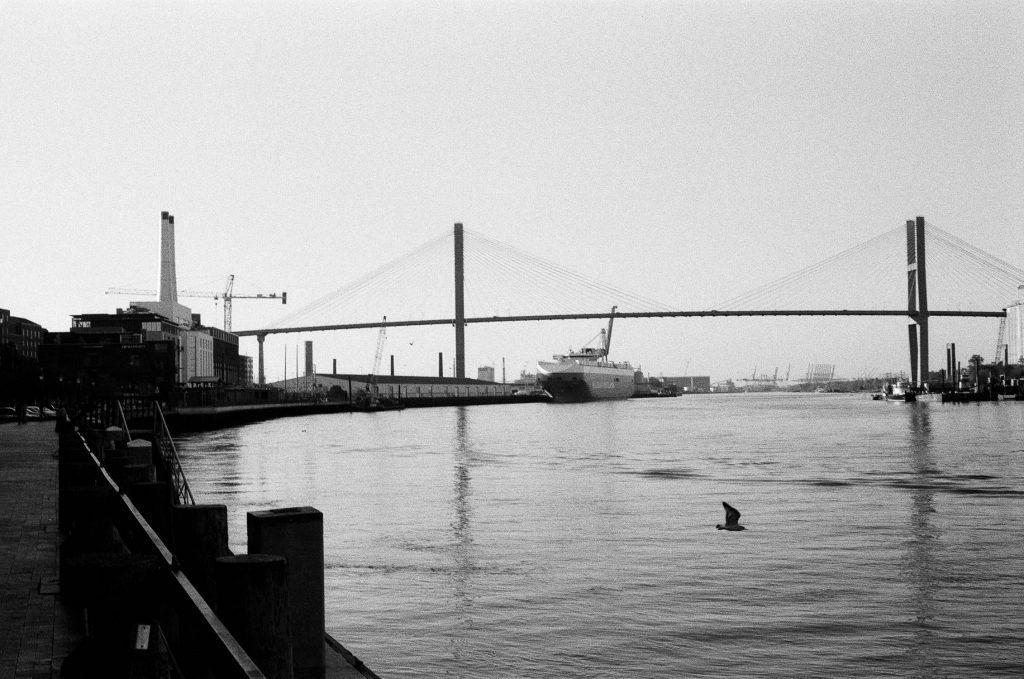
732,519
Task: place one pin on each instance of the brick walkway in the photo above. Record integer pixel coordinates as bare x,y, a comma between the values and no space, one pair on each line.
36,631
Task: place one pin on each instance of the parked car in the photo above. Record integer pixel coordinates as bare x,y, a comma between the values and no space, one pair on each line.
8,414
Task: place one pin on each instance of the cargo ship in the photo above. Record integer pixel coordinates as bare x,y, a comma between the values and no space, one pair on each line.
587,374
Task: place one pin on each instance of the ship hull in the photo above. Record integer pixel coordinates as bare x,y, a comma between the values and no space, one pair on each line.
575,383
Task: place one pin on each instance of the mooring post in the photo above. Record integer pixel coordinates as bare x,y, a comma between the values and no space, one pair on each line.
200,538
252,602
297,534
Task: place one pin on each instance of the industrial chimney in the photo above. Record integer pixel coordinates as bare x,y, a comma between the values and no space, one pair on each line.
167,306
168,277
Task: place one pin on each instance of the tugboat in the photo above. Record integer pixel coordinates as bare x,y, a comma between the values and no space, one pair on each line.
587,374
900,391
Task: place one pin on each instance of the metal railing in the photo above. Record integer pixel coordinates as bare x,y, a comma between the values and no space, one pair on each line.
123,413
216,647
169,455
125,429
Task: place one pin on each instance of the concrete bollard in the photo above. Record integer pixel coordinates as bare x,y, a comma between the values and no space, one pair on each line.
113,435
140,451
252,602
297,533
200,538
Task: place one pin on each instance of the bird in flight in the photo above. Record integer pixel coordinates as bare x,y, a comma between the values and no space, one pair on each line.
732,518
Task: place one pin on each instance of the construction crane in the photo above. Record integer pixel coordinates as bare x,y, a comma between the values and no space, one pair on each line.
371,379
227,296
1000,342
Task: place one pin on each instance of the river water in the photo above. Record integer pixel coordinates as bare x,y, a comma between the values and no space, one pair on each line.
578,540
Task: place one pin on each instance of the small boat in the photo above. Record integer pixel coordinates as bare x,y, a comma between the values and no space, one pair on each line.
900,390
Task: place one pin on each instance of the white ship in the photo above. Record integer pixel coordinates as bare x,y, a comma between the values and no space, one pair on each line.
587,374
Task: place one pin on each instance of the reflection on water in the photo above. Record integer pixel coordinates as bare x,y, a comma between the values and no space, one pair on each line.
462,535
923,541
550,541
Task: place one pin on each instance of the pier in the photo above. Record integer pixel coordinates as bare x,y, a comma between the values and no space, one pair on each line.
107,574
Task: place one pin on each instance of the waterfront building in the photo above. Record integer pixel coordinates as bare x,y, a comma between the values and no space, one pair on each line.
6,349
197,364
25,336
19,358
140,351
225,356
244,370
485,373
107,354
5,320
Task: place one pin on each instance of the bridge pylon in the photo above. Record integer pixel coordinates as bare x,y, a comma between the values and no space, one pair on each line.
262,376
917,301
460,305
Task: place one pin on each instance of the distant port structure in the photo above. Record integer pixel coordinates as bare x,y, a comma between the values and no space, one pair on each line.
991,271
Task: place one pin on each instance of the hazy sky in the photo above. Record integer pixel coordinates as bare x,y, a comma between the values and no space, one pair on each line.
687,151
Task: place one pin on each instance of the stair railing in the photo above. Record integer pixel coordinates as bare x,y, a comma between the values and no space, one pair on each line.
182,493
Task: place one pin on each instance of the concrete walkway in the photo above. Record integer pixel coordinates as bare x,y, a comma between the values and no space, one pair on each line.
36,631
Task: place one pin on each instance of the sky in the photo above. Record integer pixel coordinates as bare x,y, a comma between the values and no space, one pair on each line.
687,151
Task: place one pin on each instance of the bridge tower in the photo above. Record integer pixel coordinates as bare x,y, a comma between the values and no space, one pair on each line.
262,378
460,307
917,301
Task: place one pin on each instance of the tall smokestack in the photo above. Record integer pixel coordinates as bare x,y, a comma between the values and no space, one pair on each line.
168,277
309,357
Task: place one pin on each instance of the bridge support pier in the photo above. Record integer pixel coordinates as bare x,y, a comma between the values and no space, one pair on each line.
917,301
262,377
460,307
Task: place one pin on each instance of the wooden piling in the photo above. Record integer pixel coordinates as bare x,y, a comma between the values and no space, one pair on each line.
252,602
297,533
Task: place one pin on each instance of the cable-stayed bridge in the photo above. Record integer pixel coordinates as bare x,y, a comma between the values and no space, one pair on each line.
462,278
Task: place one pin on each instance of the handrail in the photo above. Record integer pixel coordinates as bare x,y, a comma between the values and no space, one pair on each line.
182,493
228,657
124,422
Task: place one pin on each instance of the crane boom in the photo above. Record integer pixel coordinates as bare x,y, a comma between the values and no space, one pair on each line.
380,348
227,295
371,379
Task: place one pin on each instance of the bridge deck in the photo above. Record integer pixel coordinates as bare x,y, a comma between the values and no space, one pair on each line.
628,314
